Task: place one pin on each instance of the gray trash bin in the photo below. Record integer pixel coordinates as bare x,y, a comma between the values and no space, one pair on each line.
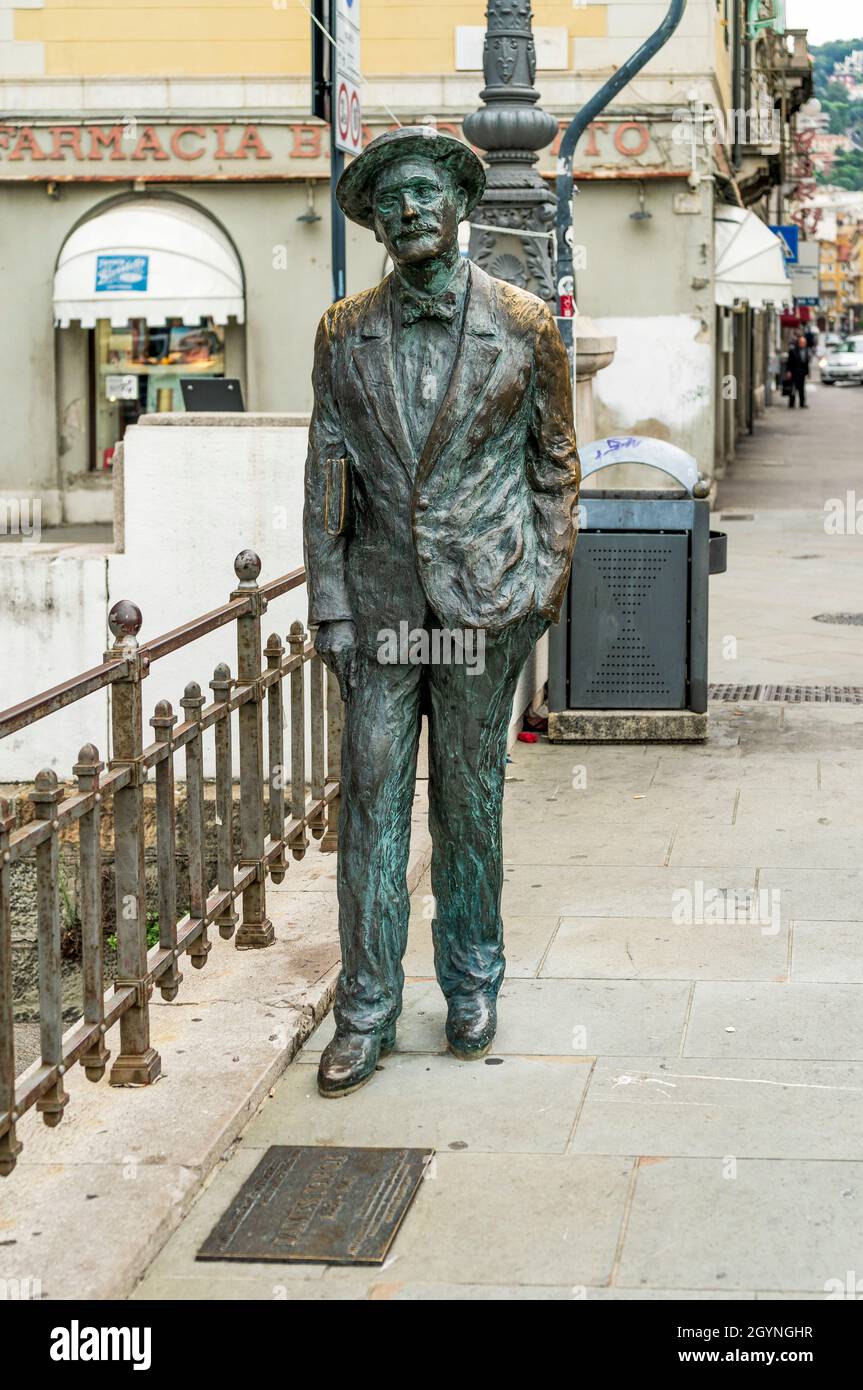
633,637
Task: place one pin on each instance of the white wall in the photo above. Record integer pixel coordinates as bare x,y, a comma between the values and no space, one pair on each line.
52,626
196,495
660,310
195,491
660,382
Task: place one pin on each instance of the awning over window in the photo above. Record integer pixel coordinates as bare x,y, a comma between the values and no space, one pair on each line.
151,259
748,260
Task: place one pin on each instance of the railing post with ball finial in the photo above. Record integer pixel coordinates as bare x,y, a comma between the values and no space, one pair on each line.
138,1064
255,929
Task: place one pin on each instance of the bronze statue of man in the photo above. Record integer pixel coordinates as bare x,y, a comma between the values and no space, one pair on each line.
441,489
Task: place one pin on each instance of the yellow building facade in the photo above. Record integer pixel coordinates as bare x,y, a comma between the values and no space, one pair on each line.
855,274
250,38
841,275
830,280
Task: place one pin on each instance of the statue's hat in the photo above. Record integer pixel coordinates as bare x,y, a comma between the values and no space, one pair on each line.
356,185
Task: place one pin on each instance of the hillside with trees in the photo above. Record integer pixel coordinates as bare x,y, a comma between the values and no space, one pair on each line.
846,115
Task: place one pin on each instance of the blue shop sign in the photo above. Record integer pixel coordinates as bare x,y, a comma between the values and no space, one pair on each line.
789,235
122,274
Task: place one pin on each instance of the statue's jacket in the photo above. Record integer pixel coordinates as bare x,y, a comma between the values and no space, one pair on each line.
479,526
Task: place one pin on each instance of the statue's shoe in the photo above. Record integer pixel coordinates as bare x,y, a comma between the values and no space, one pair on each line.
349,1060
470,1025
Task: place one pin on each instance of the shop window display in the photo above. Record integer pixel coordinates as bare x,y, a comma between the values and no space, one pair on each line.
137,371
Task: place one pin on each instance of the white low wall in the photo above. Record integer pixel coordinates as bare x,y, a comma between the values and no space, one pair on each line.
194,495
191,492
52,626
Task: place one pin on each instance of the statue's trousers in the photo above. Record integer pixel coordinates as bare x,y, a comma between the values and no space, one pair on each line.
469,705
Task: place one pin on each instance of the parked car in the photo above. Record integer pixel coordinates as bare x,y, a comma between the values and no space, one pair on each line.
843,363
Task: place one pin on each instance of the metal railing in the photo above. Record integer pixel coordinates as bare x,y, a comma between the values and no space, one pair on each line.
274,815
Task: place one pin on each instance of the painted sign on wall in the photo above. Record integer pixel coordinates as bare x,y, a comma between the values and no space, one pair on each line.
183,151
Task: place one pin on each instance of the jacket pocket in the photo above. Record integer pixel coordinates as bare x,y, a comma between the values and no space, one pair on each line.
336,497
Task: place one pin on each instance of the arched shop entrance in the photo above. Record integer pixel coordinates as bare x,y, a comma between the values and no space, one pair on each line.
144,292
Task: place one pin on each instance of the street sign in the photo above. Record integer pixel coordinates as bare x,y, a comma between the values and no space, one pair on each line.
788,234
347,113
803,274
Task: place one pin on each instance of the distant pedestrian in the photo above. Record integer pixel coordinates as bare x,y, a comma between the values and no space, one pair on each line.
811,339
796,372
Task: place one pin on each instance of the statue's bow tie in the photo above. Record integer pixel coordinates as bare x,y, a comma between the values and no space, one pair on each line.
443,308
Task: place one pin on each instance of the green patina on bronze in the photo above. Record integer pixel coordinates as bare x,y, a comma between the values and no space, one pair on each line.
441,488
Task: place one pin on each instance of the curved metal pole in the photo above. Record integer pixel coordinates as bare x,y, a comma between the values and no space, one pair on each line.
576,128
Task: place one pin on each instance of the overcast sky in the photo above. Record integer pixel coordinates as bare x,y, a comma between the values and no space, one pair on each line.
826,19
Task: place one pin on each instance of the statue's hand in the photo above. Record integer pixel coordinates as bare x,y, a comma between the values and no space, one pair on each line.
336,645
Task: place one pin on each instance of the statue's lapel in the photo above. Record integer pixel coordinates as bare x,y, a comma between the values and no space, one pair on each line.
373,356
478,351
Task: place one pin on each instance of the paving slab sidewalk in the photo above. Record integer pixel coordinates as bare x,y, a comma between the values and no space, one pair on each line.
673,1106
668,1106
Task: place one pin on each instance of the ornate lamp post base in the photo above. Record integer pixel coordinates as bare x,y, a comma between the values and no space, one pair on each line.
511,227
510,128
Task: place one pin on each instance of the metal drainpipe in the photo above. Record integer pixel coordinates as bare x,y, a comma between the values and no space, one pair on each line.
737,40
745,97
565,187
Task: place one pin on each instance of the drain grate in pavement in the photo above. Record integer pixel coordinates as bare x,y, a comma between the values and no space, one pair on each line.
737,516
734,692
319,1205
840,619
792,694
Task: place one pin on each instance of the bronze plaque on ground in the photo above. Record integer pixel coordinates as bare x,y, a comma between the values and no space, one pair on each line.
308,1204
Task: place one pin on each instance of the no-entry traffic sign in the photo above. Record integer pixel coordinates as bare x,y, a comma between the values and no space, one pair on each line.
349,119
348,115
